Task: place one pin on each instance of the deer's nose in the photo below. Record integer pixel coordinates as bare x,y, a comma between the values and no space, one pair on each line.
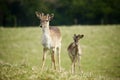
40,25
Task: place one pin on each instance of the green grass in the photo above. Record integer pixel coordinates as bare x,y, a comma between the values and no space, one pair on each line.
21,54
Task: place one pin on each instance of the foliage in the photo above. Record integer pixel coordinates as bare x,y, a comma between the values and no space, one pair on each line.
67,12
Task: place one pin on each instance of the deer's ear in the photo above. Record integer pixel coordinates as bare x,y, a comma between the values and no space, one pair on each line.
38,14
81,36
74,36
51,16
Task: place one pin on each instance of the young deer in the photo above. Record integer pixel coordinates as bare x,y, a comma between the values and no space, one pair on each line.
74,51
51,39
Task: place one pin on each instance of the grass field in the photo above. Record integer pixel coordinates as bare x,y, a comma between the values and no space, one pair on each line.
21,54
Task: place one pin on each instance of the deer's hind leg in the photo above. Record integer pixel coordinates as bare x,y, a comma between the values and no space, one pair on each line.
58,58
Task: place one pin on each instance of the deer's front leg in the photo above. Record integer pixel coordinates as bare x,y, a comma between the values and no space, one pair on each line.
44,57
53,59
73,66
58,57
79,59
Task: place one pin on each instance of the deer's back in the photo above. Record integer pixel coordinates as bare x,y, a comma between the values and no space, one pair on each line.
55,33
55,36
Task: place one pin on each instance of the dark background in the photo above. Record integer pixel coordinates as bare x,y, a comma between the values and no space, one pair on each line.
67,12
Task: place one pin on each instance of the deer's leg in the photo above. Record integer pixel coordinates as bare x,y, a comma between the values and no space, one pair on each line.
58,57
79,59
53,59
44,57
73,63
74,67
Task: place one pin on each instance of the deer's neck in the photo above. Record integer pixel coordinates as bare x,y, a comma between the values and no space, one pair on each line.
46,38
45,28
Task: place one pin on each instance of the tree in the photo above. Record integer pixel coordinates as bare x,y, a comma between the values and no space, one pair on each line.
67,12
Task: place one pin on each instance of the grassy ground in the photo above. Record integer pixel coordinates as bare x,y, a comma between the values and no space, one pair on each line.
21,54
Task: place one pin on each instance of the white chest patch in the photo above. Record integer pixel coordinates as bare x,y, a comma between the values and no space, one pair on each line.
46,41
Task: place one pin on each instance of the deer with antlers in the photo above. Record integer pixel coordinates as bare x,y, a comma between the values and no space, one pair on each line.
51,39
74,51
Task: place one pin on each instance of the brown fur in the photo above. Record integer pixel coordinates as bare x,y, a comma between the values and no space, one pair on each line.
55,32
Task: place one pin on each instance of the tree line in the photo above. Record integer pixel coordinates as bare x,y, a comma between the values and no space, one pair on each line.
67,12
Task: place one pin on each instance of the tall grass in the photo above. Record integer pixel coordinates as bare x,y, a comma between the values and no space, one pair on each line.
21,54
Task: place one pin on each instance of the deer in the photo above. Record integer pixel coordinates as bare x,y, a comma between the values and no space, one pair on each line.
74,51
51,39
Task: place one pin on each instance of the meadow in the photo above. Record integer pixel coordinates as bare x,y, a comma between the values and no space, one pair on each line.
21,54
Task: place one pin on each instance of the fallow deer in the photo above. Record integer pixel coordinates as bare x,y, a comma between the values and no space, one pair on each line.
51,39
74,51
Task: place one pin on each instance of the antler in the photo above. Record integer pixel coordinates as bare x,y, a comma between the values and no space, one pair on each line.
39,15
42,14
48,16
